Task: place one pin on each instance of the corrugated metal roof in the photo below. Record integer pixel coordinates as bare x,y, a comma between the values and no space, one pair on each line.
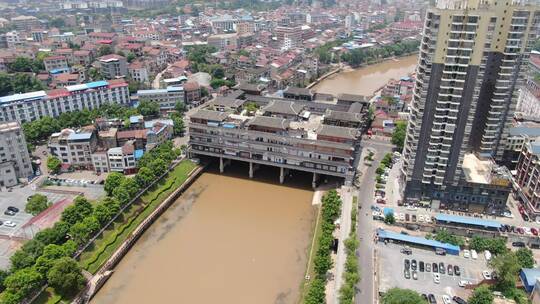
467,220
530,131
24,96
452,249
79,136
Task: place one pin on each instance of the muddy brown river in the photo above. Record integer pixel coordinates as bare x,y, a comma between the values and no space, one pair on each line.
366,80
226,240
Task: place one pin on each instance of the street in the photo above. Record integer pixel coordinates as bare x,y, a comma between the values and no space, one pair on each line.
366,225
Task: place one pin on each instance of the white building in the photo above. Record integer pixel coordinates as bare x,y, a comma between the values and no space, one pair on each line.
35,105
166,98
14,157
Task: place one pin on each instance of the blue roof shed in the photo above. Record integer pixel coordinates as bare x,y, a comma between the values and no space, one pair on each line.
466,220
449,248
528,276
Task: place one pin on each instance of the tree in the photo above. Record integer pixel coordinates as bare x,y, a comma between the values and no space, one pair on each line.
130,57
398,136
179,127
481,295
22,64
158,166
316,293
57,22
5,84
444,236
105,50
122,195
22,83
144,177
66,277
81,232
131,186
390,218
506,266
494,245
113,180
78,211
54,235
402,296
23,282
180,107
36,204
525,257
148,108
54,164
51,253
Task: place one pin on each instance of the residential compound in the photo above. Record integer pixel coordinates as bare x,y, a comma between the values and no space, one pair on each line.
109,145
14,158
35,105
470,63
285,133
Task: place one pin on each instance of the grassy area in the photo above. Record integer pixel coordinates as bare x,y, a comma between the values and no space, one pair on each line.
110,241
317,232
49,297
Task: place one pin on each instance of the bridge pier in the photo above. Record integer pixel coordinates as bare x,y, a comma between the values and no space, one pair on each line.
282,173
252,168
223,163
314,181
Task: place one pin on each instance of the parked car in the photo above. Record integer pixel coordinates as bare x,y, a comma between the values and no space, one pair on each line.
428,267
407,274
457,271
10,224
407,264
406,251
441,268
435,267
466,254
421,266
450,270
436,278
534,231
446,299
14,209
459,300
425,297
463,283
414,275
520,230
527,230
486,274
474,254
440,251
9,212
413,265
407,217
413,218
518,244
432,299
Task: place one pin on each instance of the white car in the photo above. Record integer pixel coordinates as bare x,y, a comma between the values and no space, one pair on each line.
420,218
446,299
486,274
466,254
427,218
527,230
10,224
436,278
474,254
463,283
412,208
402,216
508,214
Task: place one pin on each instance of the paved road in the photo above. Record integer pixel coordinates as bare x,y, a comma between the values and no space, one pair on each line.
366,225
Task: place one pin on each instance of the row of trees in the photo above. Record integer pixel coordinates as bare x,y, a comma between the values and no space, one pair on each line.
351,276
19,83
442,235
47,257
398,136
331,209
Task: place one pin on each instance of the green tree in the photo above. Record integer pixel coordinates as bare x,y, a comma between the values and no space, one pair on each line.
144,177
179,127
494,245
78,211
66,277
82,231
390,218
148,108
21,64
130,57
36,204
57,22
105,50
402,296
5,84
398,136
122,195
53,164
51,253
158,166
27,255
180,107
113,180
131,186
21,283
54,235
525,257
22,83
316,293
481,295
444,236
507,266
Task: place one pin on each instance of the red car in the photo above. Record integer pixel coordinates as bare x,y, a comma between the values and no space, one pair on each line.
520,230
534,231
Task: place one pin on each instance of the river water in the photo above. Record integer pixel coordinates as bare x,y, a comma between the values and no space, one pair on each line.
227,239
366,80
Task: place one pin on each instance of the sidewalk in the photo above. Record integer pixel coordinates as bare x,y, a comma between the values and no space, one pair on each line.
333,286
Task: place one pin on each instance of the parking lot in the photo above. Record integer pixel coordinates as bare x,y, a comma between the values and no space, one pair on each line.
391,271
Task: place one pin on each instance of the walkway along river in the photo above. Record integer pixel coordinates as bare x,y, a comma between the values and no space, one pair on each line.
366,80
227,239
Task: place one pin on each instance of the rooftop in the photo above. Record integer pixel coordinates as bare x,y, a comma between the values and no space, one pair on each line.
473,221
484,171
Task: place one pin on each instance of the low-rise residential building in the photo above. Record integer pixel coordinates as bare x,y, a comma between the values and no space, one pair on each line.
74,148
15,161
35,105
527,176
138,72
166,98
113,66
122,159
224,41
56,64
517,137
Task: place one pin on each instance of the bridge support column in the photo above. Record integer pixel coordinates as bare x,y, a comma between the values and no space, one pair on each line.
282,173
221,165
314,181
